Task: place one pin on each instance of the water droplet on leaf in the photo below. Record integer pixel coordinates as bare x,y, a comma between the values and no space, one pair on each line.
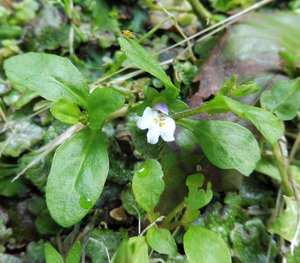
143,171
85,202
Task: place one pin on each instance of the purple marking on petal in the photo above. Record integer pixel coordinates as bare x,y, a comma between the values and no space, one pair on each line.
161,106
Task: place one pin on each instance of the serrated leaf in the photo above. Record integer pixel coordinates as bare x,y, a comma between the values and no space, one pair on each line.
65,111
51,76
74,254
263,120
203,245
51,255
197,198
139,57
78,173
283,99
286,224
134,250
161,241
227,145
148,185
102,103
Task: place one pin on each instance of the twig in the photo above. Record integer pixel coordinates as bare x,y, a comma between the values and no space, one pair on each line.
102,244
52,145
154,223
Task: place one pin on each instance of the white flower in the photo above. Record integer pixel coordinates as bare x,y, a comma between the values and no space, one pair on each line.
158,122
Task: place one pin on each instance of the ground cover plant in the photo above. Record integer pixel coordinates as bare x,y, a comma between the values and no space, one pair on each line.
149,131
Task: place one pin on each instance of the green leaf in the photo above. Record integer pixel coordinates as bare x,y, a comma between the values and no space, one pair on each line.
227,145
161,241
65,111
197,198
148,185
139,57
26,97
286,224
9,188
134,250
77,176
263,120
283,99
102,103
203,245
51,255
267,165
74,253
53,77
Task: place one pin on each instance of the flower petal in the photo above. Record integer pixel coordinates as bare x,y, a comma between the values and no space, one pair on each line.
167,131
153,134
146,121
161,106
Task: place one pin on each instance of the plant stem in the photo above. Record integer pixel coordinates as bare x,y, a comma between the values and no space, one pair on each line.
200,11
282,169
172,215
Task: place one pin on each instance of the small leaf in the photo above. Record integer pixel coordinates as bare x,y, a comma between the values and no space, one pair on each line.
197,197
51,255
139,57
51,76
65,111
203,245
286,224
161,241
78,173
283,99
227,145
74,253
148,185
102,103
134,250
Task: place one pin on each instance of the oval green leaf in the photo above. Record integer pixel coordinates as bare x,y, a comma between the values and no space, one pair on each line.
266,122
283,99
148,185
203,245
51,255
78,173
51,76
227,145
161,241
134,250
74,254
286,224
103,102
65,111
139,57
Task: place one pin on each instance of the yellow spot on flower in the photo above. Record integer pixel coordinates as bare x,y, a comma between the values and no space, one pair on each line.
156,120
161,124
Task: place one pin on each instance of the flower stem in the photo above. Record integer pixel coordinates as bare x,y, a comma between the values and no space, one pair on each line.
189,112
